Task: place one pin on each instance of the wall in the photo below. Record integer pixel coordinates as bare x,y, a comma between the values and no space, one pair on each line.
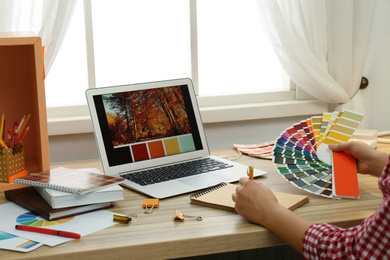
376,102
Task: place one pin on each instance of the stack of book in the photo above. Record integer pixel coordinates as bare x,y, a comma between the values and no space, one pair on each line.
62,192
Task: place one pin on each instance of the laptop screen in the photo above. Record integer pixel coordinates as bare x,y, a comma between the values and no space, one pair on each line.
145,124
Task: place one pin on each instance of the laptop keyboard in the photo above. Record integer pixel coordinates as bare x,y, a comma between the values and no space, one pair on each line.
175,171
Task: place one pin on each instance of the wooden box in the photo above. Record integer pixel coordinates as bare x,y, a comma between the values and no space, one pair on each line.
22,91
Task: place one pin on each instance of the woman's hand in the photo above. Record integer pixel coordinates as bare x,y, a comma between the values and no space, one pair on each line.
370,161
254,200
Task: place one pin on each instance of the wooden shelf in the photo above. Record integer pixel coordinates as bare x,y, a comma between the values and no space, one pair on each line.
22,91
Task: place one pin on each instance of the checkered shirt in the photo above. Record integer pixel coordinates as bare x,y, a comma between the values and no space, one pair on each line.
369,240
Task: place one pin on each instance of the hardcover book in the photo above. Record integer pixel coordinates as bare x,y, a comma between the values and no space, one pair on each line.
30,199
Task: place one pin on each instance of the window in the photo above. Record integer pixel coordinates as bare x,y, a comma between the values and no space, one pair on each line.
219,44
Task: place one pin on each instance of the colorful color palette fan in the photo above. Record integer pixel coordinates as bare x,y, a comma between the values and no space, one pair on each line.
301,154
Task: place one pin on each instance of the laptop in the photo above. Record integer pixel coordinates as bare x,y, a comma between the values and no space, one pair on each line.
144,132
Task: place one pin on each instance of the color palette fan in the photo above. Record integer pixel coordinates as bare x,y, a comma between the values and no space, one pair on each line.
301,154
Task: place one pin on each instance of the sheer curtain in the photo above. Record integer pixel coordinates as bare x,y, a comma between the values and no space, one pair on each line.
322,44
47,18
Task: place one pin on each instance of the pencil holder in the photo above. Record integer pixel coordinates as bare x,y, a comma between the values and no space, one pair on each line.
10,164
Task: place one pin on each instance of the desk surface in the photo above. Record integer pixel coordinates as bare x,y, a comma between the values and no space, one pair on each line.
157,236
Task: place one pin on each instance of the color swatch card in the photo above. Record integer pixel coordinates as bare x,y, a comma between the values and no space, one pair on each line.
301,153
261,150
345,179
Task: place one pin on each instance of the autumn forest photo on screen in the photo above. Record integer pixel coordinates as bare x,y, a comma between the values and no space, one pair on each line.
143,115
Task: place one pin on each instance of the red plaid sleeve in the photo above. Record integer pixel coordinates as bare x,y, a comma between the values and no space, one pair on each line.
369,240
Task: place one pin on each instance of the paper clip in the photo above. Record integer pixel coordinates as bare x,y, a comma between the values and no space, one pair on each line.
179,217
150,204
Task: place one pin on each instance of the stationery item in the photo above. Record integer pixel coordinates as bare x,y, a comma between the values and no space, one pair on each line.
148,210
2,144
15,134
122,219
220,196
162,149
11,165
59,199
10,134
345,179
21,141
2,123
16,243
250,172
69,180
150,202
48,231
301,154
24,124
21,123
179,217
25,133
30,199
83,224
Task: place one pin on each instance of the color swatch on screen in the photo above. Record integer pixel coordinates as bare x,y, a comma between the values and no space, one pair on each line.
296,154
162,147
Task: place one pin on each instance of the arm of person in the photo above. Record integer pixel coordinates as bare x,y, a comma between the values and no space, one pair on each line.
257,203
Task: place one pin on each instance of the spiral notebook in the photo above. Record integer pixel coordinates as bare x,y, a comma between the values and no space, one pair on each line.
220,196
69,180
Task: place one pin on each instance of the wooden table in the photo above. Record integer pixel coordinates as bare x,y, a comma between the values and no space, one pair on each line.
157,236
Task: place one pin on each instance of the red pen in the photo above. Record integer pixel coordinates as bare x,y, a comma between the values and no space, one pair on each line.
48,231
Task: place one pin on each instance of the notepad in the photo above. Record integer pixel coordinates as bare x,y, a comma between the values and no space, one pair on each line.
220,196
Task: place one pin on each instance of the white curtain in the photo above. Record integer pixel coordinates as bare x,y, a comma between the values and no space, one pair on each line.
322,44
47,18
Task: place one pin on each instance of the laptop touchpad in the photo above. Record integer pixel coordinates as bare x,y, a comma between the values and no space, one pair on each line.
203,180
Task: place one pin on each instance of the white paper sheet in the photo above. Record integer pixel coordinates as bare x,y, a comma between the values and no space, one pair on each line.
12,214
15,243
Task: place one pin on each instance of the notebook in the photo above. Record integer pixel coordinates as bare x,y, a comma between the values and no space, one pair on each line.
69,180
141,128
220,196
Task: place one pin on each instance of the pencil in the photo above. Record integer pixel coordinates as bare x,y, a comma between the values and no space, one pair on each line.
24,124
2,126
250,172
